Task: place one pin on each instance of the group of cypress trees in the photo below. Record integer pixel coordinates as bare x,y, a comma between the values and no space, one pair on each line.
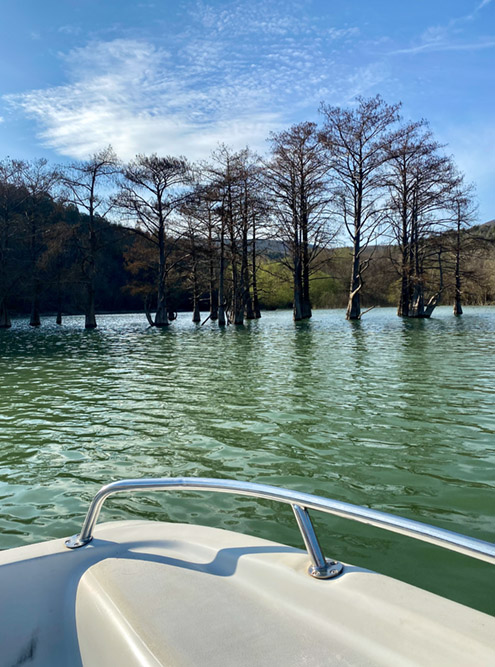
361,179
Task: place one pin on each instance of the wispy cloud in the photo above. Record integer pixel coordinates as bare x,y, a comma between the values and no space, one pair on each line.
207,86
446,46
69,30
452,36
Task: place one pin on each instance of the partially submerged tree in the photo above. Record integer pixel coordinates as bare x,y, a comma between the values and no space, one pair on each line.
233,178
296,177
421,181
463,210
152,190
40,215
60,257
357,141
200,229
86,187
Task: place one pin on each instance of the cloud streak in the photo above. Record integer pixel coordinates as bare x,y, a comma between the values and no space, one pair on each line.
449,37
446,46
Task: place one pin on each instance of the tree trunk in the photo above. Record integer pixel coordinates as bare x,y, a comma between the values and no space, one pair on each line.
405,287
246,298
221,279
417,302
147,310
256,305
196,313
403,308
249,306
213,304
90,316
298,290
431,305
417,306
237,309
457,300
306,301
353,311
213,290
161,316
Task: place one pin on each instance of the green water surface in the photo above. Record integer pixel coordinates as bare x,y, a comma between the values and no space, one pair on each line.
392,414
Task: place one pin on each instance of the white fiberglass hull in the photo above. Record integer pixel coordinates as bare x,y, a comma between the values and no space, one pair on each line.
147,593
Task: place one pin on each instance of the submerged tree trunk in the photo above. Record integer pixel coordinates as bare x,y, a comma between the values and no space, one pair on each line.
147,310
457,302
237,315
213,303
306,301
298,290
196,312
417,306
256,304
249,306
221,279
90,315
403,308
431,305
237,308
457,298
405,285
213,289
196,318
353,311
248,302
161,317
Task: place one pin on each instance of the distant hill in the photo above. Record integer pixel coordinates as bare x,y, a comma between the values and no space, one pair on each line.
270,248
275,250
484,231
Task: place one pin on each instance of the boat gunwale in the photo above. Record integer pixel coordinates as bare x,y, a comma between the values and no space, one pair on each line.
469,546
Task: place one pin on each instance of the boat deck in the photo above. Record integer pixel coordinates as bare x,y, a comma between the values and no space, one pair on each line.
147,593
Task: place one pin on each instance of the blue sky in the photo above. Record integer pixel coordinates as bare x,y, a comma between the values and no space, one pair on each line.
179,77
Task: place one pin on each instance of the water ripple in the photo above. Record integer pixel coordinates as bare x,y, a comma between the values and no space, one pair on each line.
386,413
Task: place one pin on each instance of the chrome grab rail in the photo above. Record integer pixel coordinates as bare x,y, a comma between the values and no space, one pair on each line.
301,503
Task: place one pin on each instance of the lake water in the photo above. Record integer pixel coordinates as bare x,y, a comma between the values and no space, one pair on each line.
392,414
